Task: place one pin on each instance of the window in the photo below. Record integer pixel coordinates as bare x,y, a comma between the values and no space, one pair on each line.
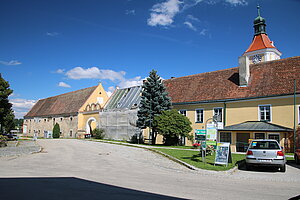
265,113
61,119
299,114
199,116
260,136
219,113
274,136
183,112
71,133
225,137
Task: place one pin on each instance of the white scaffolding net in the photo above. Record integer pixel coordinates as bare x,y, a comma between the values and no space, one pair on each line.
119,124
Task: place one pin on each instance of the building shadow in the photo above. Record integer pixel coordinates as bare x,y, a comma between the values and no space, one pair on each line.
69,188
292,163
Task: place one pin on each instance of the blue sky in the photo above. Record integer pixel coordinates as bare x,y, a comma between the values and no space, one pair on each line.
53,47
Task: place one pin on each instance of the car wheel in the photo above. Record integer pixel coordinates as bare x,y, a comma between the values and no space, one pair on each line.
296,159
283,168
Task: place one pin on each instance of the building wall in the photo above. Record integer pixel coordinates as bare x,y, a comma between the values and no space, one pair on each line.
282,112
91,108
38,125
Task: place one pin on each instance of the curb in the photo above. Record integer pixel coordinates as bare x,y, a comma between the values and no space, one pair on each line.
191,167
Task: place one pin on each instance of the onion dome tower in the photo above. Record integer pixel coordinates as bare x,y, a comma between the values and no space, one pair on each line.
261,49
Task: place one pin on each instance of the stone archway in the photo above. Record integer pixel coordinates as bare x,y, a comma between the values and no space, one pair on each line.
91,124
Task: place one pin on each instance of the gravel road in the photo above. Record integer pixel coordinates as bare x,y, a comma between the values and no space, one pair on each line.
138,171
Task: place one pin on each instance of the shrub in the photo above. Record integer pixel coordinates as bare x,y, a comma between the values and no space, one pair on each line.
98,133
3,141
56,131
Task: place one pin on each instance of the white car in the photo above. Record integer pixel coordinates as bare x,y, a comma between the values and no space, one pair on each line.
265,153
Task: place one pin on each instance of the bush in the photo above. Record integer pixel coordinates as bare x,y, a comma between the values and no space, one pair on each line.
3,141
56,131
98,133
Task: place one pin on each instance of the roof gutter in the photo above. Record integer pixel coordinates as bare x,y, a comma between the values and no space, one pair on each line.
230,100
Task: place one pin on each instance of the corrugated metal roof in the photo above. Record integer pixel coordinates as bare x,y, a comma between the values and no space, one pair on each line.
256,126
127,98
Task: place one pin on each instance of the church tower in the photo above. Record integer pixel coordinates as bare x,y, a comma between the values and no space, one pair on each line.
261,49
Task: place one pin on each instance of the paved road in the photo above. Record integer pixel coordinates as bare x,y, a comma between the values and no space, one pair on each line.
78,169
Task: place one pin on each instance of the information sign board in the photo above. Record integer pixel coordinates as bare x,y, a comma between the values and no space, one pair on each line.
211,132
222,153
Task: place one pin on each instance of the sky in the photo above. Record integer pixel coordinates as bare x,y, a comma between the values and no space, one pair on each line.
51,47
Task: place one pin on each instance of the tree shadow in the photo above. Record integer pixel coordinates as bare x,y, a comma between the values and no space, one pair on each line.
69,188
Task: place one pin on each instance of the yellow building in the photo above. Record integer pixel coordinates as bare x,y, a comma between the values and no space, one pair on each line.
254,100
76,112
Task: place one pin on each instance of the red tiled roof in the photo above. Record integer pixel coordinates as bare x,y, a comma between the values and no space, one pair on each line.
64,104
266,79
260,41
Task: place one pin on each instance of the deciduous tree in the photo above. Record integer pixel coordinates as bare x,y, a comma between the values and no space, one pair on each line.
172,126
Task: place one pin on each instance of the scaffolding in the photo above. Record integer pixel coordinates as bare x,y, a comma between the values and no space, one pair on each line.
119,116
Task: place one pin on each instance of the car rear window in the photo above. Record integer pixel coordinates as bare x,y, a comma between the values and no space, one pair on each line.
264,145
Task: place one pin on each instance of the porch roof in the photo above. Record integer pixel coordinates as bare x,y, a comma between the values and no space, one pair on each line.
256,126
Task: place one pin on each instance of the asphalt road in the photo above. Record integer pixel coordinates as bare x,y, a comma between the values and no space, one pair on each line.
78,169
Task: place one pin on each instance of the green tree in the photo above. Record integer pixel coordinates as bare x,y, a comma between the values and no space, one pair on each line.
6,112
154,100
56,131
172,125
98,133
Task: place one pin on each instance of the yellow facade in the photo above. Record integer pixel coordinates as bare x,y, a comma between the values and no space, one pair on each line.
88,116
235,112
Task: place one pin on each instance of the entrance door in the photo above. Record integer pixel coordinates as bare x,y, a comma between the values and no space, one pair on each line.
242,141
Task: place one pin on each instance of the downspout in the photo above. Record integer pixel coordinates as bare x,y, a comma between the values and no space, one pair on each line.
294,115
224,120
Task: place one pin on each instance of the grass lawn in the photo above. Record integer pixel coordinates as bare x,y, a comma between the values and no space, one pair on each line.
193,158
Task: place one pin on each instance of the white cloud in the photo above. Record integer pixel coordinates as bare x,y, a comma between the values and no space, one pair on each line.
63,84
130,12
60,71
191,17
203,32
95,73
52,34
131,82
111,89
237,2
190,25
21,106
163,13
12,62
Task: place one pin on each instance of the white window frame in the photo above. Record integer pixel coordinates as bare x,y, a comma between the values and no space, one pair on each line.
298,114
259,116
222,113
196,121
183,110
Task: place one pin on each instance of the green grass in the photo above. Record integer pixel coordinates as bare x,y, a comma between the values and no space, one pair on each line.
193,158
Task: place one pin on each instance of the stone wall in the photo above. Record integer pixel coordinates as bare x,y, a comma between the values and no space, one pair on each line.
38,125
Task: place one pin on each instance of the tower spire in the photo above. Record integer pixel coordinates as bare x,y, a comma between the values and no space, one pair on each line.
259,23
258,11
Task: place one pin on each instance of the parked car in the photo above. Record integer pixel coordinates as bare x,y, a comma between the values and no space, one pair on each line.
265,152
11,136
297,149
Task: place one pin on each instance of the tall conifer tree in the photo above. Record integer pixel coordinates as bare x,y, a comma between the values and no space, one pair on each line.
154,100
6,112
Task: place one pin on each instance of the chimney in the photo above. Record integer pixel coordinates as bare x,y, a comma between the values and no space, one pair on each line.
244,71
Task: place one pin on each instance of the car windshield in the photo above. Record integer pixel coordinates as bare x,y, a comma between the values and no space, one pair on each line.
264,145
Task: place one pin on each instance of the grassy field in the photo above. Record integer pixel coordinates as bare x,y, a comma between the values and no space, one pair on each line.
193,158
